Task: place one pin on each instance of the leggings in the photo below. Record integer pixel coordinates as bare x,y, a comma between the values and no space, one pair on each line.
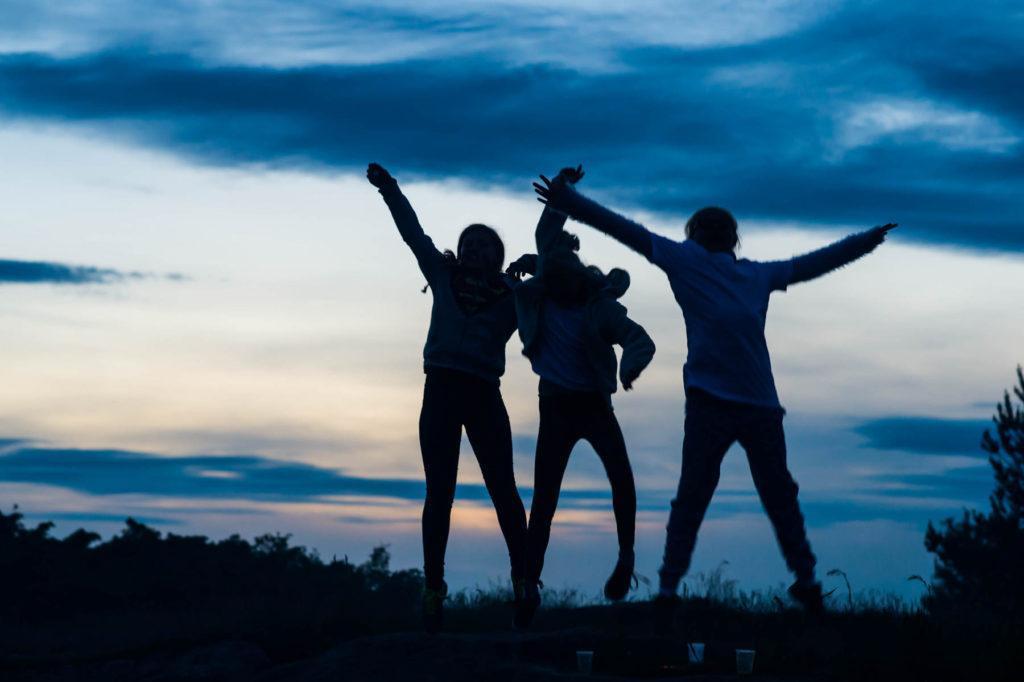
712,426
565,418
453,400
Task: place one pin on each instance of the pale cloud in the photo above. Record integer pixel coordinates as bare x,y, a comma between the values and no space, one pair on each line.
280,33
870,122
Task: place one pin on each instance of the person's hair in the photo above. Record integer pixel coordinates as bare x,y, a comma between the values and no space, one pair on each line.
713,228
567,281
452,257
492,234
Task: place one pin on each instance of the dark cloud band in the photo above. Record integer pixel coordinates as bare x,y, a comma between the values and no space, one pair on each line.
925,435
758,128
30,272
262,479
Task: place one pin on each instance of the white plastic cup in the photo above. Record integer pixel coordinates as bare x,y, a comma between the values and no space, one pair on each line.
695,650
744,661
585,661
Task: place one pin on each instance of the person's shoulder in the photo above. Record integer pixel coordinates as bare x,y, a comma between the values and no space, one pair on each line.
666,250
775,273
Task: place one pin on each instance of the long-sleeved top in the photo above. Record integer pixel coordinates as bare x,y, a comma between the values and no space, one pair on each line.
724,300
573,348
472,342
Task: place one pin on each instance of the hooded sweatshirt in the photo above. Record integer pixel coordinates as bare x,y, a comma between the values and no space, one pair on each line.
552,333
467,338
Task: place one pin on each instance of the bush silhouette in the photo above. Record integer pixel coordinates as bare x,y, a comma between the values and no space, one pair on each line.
979,564
230,584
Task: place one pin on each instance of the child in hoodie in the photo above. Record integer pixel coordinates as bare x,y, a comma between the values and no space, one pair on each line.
569,321
472,318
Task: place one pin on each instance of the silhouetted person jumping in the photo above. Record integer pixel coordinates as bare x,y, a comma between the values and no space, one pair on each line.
472,318
730,390
570,321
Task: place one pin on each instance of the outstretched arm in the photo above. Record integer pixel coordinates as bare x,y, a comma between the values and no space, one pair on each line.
825,260
427,255
564,198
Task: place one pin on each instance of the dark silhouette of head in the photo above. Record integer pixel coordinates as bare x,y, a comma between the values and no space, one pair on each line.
567,281
713,228
480,247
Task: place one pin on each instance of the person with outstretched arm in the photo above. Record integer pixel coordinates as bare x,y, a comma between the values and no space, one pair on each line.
472,318
730,390
569,322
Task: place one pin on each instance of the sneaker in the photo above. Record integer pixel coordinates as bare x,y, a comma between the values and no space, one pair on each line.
621,581
809,596
664,613
433,608
527,605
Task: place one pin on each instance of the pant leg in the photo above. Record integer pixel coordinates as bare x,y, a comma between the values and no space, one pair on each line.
440,437
490,434
602,431
556,437
765,442
708,432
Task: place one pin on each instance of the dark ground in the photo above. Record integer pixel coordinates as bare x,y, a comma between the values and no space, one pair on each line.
479,646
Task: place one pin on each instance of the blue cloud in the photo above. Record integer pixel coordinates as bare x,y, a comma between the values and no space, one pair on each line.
925,435
850,120
117,472
96,517
264,479
32,272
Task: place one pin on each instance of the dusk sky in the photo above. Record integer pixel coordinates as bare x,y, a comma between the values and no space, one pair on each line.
209,322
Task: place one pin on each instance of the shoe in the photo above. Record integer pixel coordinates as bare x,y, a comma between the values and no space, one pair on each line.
809,596
433,608
664,612
527,605
621,581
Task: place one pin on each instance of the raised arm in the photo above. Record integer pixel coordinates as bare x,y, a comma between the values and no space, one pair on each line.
427,255
550,233
567,200
825,260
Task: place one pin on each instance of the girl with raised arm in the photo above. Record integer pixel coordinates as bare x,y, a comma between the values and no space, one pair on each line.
569,321
472,318
730,390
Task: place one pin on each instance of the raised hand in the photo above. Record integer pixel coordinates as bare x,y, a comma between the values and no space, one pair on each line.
571,175
552,191
378,175
879,232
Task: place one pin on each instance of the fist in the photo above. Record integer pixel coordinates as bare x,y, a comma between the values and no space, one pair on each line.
879,232
378,175
571,175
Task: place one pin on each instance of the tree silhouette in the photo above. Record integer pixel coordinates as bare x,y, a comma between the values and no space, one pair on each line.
979,564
